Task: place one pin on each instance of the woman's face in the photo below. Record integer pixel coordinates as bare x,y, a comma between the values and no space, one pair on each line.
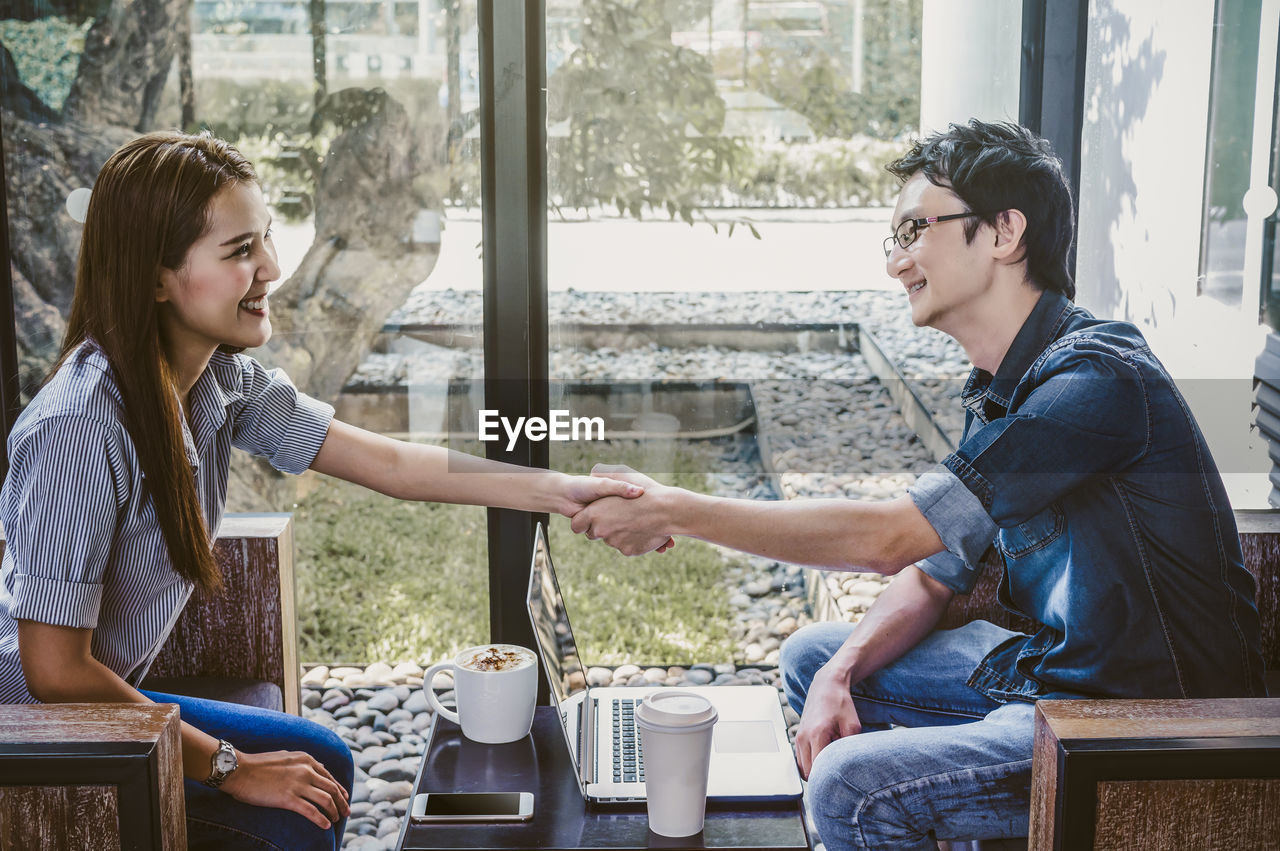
219,296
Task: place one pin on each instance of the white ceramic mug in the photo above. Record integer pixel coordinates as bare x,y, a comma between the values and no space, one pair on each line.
496,686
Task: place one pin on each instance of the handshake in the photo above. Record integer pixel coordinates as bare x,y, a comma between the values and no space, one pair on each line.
631,526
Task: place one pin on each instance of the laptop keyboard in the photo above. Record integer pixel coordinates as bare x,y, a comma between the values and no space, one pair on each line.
628,760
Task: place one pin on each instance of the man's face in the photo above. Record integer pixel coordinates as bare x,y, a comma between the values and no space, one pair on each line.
941,273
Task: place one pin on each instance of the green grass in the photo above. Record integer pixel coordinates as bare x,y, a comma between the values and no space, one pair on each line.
398,581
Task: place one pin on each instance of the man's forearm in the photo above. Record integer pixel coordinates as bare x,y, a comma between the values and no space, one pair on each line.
906,612
882,537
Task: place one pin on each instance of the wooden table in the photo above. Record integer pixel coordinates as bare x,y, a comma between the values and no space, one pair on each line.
561,818
1156,774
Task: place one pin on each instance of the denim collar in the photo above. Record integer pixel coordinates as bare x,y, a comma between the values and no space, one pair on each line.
983,392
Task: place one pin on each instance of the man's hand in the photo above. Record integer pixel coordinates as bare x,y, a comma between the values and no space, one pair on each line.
828,715
632,527
623,473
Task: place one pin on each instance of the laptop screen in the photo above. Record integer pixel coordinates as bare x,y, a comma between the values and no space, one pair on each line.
551,622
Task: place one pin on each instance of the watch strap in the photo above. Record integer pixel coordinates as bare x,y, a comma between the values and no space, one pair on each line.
216,774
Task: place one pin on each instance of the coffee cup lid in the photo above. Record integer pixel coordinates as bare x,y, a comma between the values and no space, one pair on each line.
675,708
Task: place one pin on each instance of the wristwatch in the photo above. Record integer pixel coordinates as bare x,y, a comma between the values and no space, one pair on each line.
222,763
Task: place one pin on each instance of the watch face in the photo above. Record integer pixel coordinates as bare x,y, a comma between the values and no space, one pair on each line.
225,761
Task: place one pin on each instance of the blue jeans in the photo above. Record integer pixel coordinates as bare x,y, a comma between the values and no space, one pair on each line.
954,765
215,820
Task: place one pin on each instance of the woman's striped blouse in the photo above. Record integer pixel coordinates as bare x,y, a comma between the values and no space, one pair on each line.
84,548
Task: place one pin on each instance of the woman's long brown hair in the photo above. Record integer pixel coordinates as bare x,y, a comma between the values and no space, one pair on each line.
149,204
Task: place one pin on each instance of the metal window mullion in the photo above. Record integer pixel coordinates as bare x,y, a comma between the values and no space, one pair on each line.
1055,38
513,213
1256,242
9,386
1031,84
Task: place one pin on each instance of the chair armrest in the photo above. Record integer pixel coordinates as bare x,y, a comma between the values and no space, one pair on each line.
92,775
1158,773
249,629
1260,543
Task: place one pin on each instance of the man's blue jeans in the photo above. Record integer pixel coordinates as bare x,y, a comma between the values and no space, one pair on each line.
215,820
954,765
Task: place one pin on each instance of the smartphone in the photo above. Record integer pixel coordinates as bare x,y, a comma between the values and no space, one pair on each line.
471,806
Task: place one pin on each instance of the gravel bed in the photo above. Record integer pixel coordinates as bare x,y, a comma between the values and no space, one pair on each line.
429,364
933,362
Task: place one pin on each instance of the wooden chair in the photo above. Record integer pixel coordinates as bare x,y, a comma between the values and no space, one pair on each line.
109,776
1156,773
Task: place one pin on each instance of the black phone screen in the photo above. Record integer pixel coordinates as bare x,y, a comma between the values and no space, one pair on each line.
472,803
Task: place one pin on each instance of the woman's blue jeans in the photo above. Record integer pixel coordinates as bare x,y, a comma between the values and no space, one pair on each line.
954,765
215,820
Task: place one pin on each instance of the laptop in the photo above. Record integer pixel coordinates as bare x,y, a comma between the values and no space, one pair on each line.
751,757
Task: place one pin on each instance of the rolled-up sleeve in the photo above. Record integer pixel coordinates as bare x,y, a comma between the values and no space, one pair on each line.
275,421
952,571
1084,413
961,522
61,507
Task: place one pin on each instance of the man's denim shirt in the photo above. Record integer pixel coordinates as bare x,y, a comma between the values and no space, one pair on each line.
1082,461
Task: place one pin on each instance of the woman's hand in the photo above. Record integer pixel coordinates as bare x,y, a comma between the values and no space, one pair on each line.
580,491
288,780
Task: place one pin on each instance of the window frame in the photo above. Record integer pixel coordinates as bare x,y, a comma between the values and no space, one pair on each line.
513,188
9,388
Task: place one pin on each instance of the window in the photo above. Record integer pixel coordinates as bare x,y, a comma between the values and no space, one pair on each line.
716,188
358,122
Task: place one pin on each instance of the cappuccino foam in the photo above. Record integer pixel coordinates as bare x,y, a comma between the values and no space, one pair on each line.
498,659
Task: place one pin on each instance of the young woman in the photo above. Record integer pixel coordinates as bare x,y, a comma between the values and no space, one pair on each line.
118,479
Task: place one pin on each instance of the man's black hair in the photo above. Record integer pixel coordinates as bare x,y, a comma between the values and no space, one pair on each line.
998,167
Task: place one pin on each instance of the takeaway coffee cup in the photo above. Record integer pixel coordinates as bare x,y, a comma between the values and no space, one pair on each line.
675,738
496,686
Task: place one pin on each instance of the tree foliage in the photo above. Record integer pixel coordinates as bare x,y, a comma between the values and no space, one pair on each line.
643,116
46,53
816,83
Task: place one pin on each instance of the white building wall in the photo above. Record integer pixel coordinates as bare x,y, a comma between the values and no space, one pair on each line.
1142,183
1142,157
971,61
1141,199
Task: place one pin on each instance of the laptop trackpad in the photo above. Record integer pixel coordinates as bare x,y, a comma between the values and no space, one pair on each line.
744,737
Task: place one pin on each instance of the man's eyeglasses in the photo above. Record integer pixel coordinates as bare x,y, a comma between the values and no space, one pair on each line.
909,231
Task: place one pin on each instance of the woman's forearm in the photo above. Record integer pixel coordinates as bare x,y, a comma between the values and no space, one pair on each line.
89,681
434,474
431,473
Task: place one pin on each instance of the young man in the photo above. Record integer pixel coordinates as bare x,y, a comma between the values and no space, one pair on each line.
1080,461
